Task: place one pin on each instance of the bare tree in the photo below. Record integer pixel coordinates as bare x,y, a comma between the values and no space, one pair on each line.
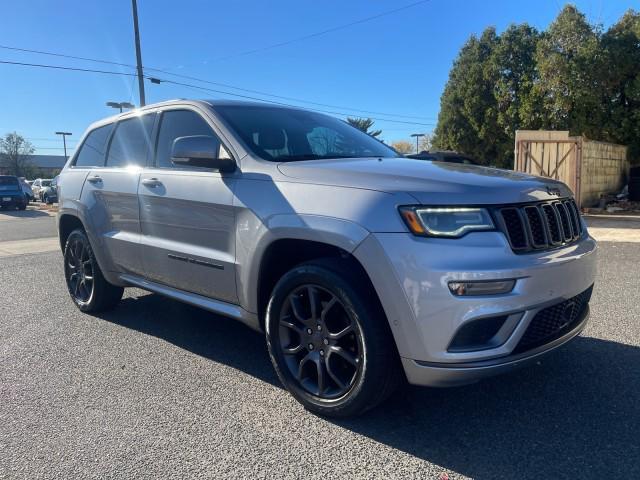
426,142
15,151
403,146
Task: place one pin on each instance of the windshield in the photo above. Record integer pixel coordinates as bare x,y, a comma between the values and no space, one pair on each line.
285,135
45,183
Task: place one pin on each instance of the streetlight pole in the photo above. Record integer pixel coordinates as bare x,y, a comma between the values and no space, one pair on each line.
417,135
134,5
64,141
120,105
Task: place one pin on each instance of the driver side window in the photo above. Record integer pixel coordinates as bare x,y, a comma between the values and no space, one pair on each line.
180,123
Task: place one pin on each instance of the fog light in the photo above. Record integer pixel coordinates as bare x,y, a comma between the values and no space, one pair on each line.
490,287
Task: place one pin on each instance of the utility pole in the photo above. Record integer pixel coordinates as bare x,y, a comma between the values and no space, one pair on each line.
134,5
64,141
417,135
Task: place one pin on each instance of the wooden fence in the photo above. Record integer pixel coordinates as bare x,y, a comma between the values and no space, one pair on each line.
589,168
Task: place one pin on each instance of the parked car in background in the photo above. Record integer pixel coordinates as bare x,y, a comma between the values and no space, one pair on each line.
444,156
26,188
11,194
39,184
49,193
362,269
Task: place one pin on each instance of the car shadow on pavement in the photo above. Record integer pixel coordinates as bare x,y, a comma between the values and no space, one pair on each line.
24,213
576,414
211,336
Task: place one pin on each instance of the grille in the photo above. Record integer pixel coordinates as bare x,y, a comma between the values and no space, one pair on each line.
553,322
540,226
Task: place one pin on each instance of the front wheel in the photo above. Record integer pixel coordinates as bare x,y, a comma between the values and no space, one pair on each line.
87,286
329,340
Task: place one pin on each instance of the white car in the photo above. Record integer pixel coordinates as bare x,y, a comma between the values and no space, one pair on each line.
39,184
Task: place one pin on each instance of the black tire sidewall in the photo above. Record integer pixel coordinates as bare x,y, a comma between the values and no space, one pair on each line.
355,400
73,236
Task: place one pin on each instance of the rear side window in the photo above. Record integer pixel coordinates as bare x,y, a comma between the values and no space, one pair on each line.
92,151
174,124
131,142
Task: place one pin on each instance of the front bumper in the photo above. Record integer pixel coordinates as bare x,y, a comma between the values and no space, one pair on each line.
411,276
450,375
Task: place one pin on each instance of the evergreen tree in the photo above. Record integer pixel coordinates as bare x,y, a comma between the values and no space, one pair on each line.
364,124
621,48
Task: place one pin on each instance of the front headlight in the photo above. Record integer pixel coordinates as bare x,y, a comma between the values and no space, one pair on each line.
452,222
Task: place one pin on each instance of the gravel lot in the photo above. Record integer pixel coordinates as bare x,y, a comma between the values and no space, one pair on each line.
157,389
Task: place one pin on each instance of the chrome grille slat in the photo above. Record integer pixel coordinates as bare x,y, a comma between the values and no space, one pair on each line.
575,218
567,234
540,226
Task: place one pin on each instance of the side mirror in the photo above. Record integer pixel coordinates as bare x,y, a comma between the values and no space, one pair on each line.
201,151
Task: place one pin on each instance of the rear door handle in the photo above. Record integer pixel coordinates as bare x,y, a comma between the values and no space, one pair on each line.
94,179
151,182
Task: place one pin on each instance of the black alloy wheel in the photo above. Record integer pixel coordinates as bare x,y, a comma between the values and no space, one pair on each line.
88,288
329,339
320,342
79,269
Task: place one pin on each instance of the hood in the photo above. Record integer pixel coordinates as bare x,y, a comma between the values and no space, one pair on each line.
431,183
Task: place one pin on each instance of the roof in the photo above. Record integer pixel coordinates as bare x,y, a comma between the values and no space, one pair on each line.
48,161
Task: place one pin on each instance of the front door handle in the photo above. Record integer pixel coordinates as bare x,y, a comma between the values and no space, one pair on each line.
151,182
94,179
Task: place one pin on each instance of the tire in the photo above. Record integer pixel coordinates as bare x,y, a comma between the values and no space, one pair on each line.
360,369
87,286
22,207
634,189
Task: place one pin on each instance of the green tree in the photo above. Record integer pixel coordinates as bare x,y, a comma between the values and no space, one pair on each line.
621,73
468,118
14,155
569,64
514,63
364,124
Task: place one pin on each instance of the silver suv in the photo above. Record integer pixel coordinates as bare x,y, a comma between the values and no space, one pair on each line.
363,269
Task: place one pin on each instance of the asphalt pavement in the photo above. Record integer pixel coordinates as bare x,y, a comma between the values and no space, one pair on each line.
26,225
157,389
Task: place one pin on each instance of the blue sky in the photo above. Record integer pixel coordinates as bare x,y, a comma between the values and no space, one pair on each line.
396,64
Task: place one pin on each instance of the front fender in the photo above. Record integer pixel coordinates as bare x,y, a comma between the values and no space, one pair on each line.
254,236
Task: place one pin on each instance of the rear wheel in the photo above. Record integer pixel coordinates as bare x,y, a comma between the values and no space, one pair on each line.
87,286
329,341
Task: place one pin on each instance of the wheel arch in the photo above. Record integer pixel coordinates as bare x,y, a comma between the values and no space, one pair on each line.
67,223
283,254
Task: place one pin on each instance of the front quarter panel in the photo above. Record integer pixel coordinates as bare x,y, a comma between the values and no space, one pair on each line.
268,210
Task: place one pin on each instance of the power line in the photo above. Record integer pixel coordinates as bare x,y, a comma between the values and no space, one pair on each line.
225,85
323,32
45,139
61,55
287,104
59,67
87,70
